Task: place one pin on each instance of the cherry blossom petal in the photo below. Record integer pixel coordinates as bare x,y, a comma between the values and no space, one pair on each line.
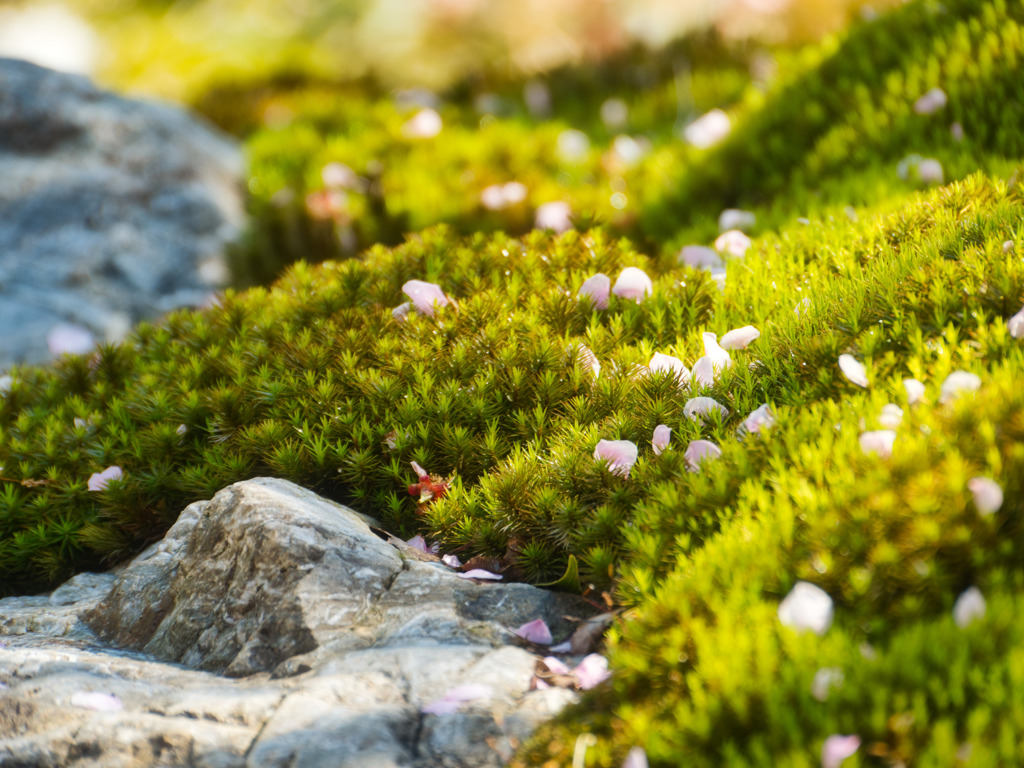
930,102
457,696
956,130
65,338
956,383
707,369
988,494
401,311
98,481
699,451
662,436
1007,247
915,390
564,647
1016,325
452,561
620,455
891,416
825,679
480,573
708,129
589,360
969,607
736,219
556,665
740,338
339,176
556,216
592,671
425,296
515,192
535,631
853,370
733,242
425,124
95,700
761,418
879,442
700,257
634,284
418,542
703,372
837,748
807,606
697,408
597,287
929,171
572,145
493,197
635,758
666,363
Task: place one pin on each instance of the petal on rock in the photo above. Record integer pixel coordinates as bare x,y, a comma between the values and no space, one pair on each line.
699,451
697,408
879,442
988,494
915,390
460,694
635,758
96,700
969,607
634,284
452,561
597,287
807,606
66,338
98,481
425,296
620,455
480,573
592,671
853,370
957,383
556,665
662,436
535,631
740,338
837,748
418,542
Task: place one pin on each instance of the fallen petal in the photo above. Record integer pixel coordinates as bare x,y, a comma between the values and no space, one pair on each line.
853,370
65,338
660,441
879,442
635,758
915,390
620,455
98,481
418,542
95,700
597,287
930,102
740,338
761,418
667,363
700,257
425,124
480,573
460,694
837,748
452,561
703,372
988,494
1016,324
634,284
699,451
592,671
557,666
589,360
421,473
535,631
969,607
556,216
697,408
891,416
957,383
565,647
929,171
733,242
736,219
708,129
425,296
825,680
807,607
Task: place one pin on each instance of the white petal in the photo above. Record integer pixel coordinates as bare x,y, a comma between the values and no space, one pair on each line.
669,364
1016,325
837,748
703,372
697,408
633,283
716,358
98,481
620,455
480,573
400,312
699,451
969,607
65,338
956,383
740,338
708,129
733,242
700,257
853,370
825,679
915,390
879,442
452,561
930,102
807,607
555,216
660,441
929,171
596,288
736,219
572,145
891,416
988,494
589,360
425,124
635,758
761,418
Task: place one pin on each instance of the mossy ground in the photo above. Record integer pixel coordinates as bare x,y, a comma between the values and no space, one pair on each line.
315,380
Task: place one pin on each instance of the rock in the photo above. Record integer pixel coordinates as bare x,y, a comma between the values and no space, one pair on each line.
272,627
111,210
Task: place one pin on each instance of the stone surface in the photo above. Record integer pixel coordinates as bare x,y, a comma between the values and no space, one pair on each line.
272,628
111,210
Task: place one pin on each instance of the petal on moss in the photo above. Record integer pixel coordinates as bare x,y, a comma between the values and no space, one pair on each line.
891,416
699,451
700,257
535,631
915,391
957,383
733,242
708,368
556,216
98,481
589,360
761,418
930,102
879,442
807,606
662,436
620,455
837,748
635,758
661,362
426,297
853,370
740,338
708,129
969,607
596,288
1016,325
988,494
425,124
634,284
697,408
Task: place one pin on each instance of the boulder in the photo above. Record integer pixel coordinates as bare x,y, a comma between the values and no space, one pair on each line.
111,210
271,627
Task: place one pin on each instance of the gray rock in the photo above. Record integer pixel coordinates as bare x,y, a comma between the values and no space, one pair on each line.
111,210
272,628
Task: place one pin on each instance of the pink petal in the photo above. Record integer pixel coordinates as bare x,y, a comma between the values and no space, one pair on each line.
95,700
535,631
930,102
98,481
555,216
620,455
556,666
400,312
988,494
480,573
697,408
719,358
956,130
736,219
456,696
452,561
879,442
703,372
708,129
425,296
733,242
700,257
699,451
891,416
956,383
762,418
634,284
425,124
660,441
929,171
597,288
837,748
635,758
740,338
440,707
660,362
853,370
592,671
65,338
418,542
